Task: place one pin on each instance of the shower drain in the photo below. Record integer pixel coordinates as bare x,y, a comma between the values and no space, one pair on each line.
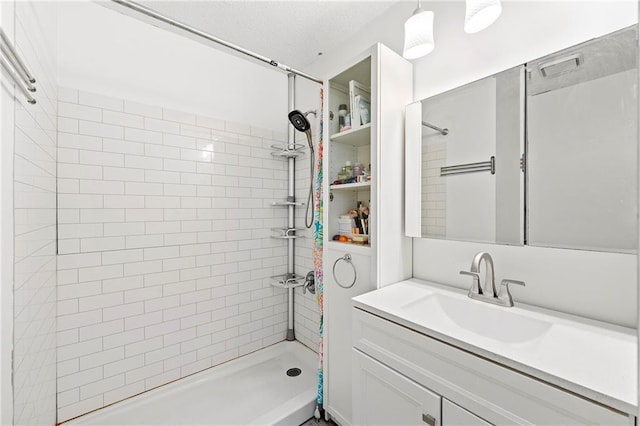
293,372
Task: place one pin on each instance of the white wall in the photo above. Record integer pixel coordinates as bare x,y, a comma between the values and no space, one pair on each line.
525,31
34,215
105,52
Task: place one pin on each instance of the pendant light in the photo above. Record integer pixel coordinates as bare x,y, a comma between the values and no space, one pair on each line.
418,34
480,14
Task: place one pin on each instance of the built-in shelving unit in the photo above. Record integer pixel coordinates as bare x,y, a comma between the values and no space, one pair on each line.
352,268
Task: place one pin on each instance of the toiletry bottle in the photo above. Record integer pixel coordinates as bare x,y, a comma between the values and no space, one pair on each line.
349,168
345,119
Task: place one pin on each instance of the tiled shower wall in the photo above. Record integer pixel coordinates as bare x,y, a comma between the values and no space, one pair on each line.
165,248
34,301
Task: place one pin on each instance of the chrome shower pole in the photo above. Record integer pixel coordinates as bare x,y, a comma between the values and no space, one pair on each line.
291,197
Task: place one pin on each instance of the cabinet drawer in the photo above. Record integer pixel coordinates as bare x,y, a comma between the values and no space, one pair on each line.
453,415
493,392
382,396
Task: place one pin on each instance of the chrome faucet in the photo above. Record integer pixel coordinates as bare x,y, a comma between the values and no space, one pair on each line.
487,291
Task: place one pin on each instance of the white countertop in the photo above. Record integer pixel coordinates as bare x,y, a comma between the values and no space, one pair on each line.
590,358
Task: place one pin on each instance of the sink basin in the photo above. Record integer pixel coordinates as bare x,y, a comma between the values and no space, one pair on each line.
490,321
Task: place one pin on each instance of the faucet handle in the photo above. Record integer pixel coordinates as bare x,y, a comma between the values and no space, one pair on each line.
475,287
504,295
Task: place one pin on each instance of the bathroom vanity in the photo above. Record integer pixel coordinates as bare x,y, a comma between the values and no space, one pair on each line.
428,354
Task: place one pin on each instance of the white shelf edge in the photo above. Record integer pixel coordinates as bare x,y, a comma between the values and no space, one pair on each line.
355,185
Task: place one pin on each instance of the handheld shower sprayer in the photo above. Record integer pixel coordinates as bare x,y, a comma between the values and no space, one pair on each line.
301,124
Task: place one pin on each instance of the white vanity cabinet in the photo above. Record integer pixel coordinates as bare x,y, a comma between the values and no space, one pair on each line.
405,377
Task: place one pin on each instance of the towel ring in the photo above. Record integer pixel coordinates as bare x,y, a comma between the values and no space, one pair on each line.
346,258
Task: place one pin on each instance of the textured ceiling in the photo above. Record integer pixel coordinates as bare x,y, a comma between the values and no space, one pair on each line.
291,32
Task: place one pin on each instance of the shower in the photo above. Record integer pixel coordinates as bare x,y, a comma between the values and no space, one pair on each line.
301,124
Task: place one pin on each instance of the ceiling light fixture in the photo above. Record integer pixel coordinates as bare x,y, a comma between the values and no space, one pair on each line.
418,34
480,14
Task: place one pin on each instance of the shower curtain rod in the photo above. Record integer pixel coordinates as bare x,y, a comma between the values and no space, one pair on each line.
155,15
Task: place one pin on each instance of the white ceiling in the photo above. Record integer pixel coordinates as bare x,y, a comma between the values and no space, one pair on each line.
290,32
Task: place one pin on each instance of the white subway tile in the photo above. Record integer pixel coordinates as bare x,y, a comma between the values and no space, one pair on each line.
79,408
178,263
163,228
141,268
123,365
124,392
161,125
73,261
179,141
161,278
123,201
139,135
67,337
101,301
157,202
142,109
209,122
179,361
101,158
161,328
91,128
161,379
101,186
162,176
143,346
66,307
179,287
194,131
142,320
122,311
142,241
123,174
135,188
180,336
100,101
68,155
70,291
82,112
179,116
122,339
101,243
101,215
99,273
121,284
161,151
122,119
79,171
68,215
68,125
101,386
144,372
122,147
180,312
69,140
70,366
79,379
161,253
178,165
123,229
101,358
140,162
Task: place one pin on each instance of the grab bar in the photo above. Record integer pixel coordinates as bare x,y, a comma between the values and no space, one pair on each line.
16,68
484,166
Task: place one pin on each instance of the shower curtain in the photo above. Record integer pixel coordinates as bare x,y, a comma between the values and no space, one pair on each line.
317,255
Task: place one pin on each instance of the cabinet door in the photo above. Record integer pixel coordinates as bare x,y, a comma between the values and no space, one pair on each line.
338,326
381,396
453,415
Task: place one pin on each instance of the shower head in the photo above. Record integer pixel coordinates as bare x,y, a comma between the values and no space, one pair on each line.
299,121
301,124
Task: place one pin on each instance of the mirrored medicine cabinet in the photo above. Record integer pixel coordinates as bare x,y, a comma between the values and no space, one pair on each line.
543,154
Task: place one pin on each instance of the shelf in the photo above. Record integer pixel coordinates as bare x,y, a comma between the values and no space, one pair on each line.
287,233
356,137
355,185
286,203
352,247
287,280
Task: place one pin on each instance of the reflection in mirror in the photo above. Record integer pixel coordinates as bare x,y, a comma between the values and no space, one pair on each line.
582,138
471,187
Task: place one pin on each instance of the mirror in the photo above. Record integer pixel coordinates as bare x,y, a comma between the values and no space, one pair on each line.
470,176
